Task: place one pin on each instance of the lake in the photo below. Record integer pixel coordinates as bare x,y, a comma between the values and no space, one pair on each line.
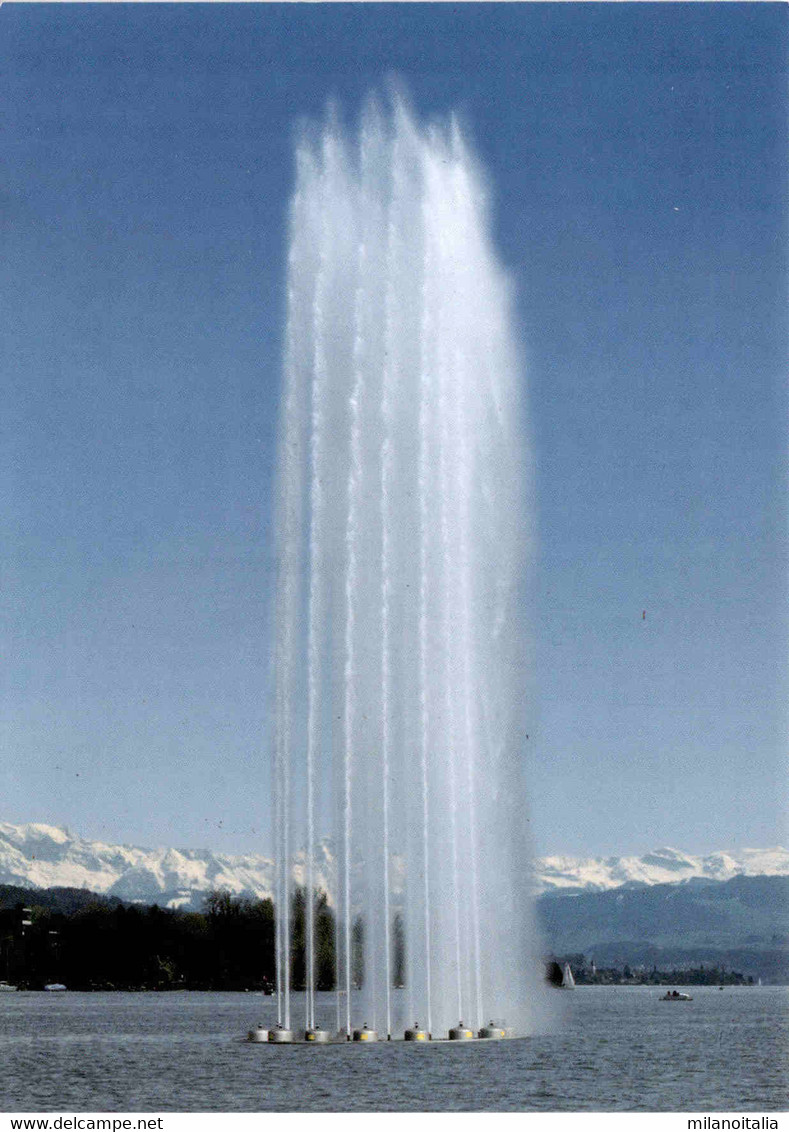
617,1048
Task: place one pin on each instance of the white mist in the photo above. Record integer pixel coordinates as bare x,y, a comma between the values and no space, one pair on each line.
404,538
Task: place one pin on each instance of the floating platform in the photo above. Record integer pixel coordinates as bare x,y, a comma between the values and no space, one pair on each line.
280,1035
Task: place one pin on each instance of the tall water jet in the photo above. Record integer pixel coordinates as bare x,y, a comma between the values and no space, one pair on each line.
403,547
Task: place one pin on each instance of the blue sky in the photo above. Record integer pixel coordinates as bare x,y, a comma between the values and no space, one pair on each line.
637,159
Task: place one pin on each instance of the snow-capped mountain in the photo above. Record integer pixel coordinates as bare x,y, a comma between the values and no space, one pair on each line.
44,856
659,866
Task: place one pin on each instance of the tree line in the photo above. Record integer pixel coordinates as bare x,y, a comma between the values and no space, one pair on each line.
587,973
106,944
90,942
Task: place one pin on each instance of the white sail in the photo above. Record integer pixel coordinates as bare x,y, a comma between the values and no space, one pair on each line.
567,976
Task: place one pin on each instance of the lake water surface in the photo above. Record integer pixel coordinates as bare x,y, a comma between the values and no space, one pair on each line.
618,1048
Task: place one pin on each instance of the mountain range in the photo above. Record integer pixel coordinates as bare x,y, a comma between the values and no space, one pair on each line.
35,855
741,924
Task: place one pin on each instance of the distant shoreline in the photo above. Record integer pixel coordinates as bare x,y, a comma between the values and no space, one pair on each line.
260,994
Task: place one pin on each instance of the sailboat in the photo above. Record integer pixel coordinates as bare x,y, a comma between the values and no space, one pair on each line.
567,977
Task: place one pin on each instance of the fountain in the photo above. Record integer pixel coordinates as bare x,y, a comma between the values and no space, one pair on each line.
403,541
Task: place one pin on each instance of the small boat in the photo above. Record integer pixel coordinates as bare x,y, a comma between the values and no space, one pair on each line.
676,996
4,986
54,987
567,977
